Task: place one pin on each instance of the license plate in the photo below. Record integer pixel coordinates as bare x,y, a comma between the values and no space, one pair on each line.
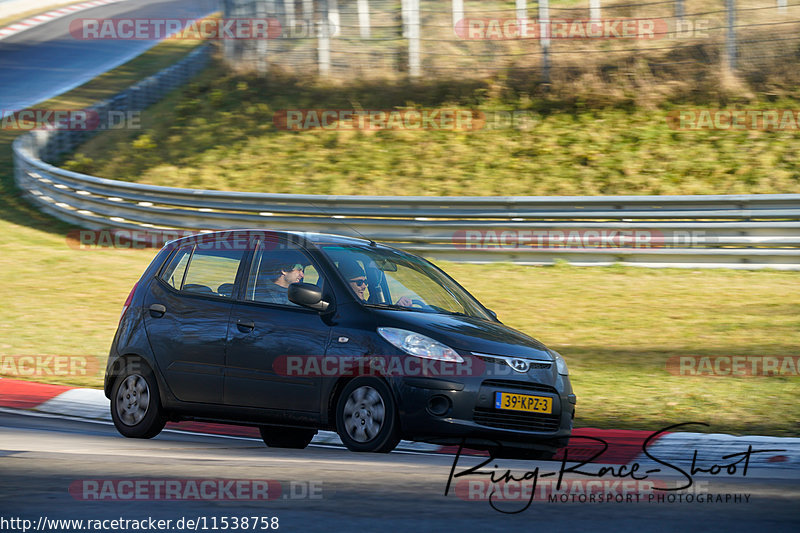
523,402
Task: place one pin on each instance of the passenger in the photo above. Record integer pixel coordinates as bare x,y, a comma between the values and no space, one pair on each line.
276,290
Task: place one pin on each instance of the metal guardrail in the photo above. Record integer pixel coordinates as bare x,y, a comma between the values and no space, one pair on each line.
733,231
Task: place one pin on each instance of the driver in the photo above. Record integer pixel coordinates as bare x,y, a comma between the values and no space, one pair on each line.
355,275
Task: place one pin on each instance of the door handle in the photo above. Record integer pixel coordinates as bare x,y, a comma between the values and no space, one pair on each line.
157,310
245,325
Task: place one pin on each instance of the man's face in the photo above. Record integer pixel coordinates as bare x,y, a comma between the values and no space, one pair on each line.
295,275
359,285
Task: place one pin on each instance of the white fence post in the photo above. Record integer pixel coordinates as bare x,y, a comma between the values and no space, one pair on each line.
730,41
363,18
544,38
262,11
404,16
324,40
414,62
782,7
228,48
522,16
333,13
594,10
458,11
288,8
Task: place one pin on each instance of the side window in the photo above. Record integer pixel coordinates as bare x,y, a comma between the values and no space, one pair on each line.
273,270
173,272
212,272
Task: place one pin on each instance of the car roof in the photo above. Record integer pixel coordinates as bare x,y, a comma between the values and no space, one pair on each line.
312,237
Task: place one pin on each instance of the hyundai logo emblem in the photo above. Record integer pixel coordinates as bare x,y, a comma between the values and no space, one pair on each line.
520,365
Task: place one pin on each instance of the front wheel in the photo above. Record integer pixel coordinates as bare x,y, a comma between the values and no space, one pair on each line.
286,437
135,404
366,416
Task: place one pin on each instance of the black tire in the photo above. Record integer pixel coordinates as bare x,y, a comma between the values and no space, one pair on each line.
135,404
285,437
366,416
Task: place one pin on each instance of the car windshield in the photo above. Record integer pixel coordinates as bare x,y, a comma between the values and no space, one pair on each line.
391,278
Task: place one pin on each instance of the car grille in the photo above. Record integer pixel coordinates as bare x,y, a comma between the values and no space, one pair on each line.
535,387
538,365
516,420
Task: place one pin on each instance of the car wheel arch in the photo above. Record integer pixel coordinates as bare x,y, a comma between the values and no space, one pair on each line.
122,361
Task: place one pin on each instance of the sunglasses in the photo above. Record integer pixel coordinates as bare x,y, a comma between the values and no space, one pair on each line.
359,282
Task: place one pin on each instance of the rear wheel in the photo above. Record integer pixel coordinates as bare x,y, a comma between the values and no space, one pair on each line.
135,403
285,437
366,416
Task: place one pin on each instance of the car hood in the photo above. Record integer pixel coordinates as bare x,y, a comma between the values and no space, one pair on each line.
466,333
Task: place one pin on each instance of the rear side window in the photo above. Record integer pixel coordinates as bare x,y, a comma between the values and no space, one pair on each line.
212,271
175,269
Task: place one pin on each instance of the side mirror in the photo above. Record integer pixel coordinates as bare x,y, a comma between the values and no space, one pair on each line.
307,295
494,315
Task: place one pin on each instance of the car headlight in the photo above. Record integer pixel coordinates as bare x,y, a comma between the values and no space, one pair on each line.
561,364
419,345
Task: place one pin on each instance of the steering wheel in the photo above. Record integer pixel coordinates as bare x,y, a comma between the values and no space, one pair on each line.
419,303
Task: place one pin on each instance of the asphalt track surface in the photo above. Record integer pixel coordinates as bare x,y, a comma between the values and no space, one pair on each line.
46,60
42,457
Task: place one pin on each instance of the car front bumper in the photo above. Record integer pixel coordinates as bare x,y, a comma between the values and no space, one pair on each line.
449,410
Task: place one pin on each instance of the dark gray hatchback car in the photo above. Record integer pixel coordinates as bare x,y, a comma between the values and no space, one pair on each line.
297,332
